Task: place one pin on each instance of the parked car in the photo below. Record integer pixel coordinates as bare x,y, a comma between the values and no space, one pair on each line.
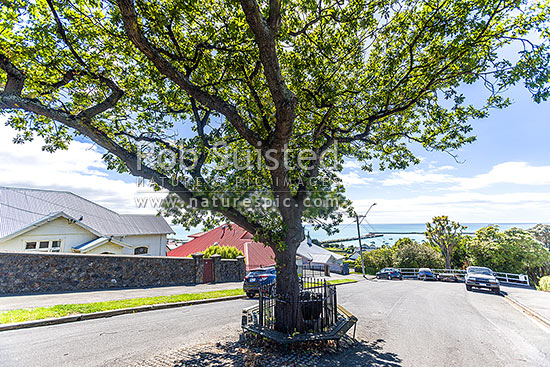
389,273
426,274
259,277
480,277
447,277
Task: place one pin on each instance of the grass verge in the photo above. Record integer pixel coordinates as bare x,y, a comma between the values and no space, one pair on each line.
28,314
335,281
339,281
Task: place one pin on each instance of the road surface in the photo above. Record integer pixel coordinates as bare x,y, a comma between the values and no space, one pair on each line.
412,323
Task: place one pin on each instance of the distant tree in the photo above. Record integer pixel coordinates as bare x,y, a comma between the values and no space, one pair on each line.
376,259
446,235
226,252
541,232
459,257
511,251
410,254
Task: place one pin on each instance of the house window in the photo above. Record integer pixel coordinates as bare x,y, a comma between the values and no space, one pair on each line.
141,250
44,246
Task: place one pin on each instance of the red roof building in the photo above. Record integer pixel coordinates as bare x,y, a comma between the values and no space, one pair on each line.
256,254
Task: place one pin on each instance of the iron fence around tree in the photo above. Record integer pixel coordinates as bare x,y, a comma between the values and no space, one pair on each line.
309,271
317,303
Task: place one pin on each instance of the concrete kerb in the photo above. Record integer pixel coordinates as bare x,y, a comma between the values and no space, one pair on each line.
543,320
110,313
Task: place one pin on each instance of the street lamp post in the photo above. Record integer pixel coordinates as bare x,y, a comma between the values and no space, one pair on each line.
359,236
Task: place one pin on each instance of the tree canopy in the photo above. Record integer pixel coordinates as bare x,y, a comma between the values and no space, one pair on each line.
541,232
173,89
445,235
511,251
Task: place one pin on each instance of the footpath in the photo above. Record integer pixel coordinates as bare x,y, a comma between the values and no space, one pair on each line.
537,303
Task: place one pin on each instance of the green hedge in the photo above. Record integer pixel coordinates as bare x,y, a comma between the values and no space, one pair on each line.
226,252
544,283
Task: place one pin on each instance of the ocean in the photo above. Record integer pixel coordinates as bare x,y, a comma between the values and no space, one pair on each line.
412,230
393,232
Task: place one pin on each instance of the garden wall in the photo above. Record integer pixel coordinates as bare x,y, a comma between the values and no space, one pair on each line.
31,272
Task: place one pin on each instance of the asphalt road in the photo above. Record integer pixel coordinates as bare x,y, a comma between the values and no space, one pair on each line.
405,323
441,324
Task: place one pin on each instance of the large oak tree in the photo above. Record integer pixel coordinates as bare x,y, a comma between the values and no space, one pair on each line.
264,78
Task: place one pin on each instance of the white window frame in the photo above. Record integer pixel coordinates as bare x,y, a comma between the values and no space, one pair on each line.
147,253
37,248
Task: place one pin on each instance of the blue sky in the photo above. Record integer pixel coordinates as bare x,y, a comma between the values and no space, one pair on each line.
504,177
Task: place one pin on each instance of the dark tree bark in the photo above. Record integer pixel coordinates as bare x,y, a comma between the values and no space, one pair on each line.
288,316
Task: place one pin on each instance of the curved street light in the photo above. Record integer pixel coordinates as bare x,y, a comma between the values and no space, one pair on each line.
359,236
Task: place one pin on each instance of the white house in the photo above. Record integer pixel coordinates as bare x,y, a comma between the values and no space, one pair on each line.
317,257
60,221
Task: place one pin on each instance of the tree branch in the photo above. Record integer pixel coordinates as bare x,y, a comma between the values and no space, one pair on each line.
135,34
285,101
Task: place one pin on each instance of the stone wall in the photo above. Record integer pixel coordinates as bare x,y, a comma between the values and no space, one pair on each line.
32,272
228,270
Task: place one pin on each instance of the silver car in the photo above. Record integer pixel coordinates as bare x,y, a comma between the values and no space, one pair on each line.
480,277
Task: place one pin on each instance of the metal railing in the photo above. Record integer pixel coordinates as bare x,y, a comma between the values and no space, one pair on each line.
317,303
308,271
506,278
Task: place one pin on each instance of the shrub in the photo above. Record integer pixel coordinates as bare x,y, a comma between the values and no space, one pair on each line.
511,251
375,260
410,254
226,252
544,283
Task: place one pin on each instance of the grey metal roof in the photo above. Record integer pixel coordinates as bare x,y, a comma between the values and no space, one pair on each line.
20,208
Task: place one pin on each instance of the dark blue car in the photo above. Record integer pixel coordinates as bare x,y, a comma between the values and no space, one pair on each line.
259,277
389,273
426,274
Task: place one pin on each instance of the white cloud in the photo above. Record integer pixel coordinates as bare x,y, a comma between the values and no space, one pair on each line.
418,176
352,178
444,168
519,173
461,206
352,165
79,169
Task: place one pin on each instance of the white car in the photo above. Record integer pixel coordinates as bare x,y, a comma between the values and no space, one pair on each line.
480,277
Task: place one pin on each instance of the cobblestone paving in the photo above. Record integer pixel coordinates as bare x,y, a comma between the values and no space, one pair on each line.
350,353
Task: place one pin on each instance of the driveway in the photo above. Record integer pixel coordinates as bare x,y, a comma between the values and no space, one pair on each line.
404,323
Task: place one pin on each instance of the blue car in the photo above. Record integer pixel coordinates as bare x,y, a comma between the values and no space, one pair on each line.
389,273
426,274
259,277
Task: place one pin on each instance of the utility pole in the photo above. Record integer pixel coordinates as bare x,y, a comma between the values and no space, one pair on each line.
359,237
360,246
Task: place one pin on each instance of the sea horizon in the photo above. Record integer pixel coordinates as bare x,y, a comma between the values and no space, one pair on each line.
411,230
392,232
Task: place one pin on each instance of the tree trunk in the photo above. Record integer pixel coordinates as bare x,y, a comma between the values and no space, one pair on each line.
288,316
447,260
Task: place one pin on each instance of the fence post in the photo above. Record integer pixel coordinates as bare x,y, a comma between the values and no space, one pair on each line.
261,308
242,267
199,267
216,267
